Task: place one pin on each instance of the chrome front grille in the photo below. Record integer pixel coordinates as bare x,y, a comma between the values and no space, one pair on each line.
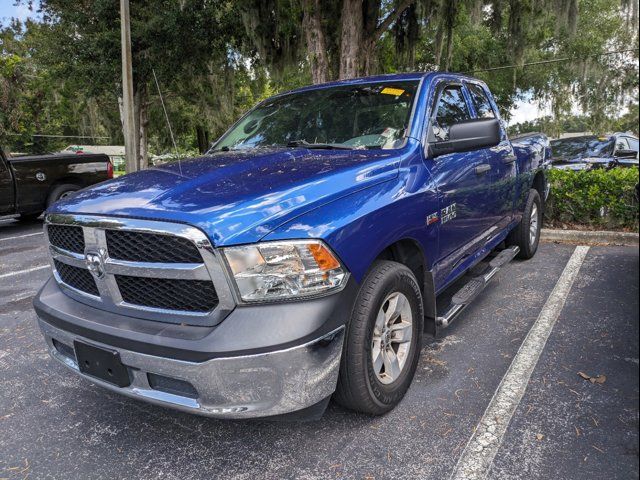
78,278
67,237
168,293
151,247
153,270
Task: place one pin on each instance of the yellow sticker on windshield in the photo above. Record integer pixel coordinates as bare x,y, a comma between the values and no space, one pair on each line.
392,91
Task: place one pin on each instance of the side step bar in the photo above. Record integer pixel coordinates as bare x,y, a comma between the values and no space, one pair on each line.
463,297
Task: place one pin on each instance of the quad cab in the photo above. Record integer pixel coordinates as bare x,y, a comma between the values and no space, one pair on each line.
303,257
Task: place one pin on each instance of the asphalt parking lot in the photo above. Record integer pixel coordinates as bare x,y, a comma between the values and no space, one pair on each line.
54,424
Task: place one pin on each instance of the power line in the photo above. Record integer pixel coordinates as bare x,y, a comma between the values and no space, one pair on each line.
554,60
55,136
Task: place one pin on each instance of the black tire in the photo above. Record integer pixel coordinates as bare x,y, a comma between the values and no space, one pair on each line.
60,191
520,236
359,387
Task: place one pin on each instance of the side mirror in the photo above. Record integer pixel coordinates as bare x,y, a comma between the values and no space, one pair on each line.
470,135
626,154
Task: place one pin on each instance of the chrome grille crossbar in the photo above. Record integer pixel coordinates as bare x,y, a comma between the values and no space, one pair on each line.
178,271
105,270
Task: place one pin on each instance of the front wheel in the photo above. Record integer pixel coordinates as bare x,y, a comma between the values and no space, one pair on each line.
527,234
383,340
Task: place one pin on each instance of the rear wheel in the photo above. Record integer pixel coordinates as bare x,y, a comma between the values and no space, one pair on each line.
527,234
61,191
383,340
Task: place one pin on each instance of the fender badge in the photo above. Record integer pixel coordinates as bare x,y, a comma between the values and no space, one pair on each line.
448,213
41,176
432,218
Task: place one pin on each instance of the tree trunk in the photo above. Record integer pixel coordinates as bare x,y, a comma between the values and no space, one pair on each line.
352,22
141,112
316,42
203,138
361,29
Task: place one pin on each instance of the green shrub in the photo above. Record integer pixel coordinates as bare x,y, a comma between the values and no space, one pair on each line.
595,198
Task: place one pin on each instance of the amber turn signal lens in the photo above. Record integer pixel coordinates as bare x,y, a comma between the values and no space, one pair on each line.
323,257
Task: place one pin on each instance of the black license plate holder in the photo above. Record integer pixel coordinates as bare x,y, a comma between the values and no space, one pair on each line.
102,364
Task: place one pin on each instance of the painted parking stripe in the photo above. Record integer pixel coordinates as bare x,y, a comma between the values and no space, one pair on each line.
28,270
20,236
477,456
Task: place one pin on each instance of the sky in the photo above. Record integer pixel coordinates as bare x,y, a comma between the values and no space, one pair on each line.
523,110
526,110
9,10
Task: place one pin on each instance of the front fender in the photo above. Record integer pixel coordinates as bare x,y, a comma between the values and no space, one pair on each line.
360,226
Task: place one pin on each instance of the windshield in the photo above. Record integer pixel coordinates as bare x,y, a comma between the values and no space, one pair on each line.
591,146
374,115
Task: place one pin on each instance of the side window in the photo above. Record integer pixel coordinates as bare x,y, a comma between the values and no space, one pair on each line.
633,143
621,144
452,108
480,101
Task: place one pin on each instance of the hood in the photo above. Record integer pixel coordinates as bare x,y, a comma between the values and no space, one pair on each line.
237,197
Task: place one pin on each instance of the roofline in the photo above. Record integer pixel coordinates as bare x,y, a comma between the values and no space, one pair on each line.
389,77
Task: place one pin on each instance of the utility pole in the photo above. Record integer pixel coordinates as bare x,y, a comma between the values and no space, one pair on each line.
128,117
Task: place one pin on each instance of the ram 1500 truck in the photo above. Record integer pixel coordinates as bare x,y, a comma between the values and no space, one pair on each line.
302,257
29,184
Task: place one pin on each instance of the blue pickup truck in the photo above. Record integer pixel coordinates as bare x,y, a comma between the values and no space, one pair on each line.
302,258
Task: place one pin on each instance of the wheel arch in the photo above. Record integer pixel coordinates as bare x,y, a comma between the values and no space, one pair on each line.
66,180
410,253
540,185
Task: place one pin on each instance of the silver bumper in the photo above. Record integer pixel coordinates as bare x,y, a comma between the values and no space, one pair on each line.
249,386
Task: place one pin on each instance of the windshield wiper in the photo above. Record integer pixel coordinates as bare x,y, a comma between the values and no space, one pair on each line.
327,146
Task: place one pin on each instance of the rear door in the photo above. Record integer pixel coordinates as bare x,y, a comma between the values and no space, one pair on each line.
464,181
501,158
6,188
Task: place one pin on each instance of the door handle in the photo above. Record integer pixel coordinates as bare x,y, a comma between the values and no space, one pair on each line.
509,158
484,168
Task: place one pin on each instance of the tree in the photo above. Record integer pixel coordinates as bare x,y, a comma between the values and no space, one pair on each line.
216,58
174,39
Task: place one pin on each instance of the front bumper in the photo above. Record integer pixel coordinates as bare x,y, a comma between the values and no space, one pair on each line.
261,385
260,361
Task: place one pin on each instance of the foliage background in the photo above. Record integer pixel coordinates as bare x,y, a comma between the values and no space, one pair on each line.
216,58
603,199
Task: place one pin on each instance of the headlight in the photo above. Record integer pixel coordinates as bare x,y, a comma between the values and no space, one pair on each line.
284,270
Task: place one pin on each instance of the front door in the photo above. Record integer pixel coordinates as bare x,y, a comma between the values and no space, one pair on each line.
464,181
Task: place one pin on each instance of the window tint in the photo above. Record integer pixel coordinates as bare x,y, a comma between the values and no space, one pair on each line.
370,115
587,146
451,109
480,101
633,143
621,144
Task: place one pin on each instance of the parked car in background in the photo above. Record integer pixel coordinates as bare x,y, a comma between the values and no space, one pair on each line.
591,151
302,256
30,184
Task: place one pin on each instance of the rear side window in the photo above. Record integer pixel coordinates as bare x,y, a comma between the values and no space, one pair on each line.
452,108
480,101
621,144
633,143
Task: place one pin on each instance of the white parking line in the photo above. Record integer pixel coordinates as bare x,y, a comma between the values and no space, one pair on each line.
20,236
477,456
19,272
22,296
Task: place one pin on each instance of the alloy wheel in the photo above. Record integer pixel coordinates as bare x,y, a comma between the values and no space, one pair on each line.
392,338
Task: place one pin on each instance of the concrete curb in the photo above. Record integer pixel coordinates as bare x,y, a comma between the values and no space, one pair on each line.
584,237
